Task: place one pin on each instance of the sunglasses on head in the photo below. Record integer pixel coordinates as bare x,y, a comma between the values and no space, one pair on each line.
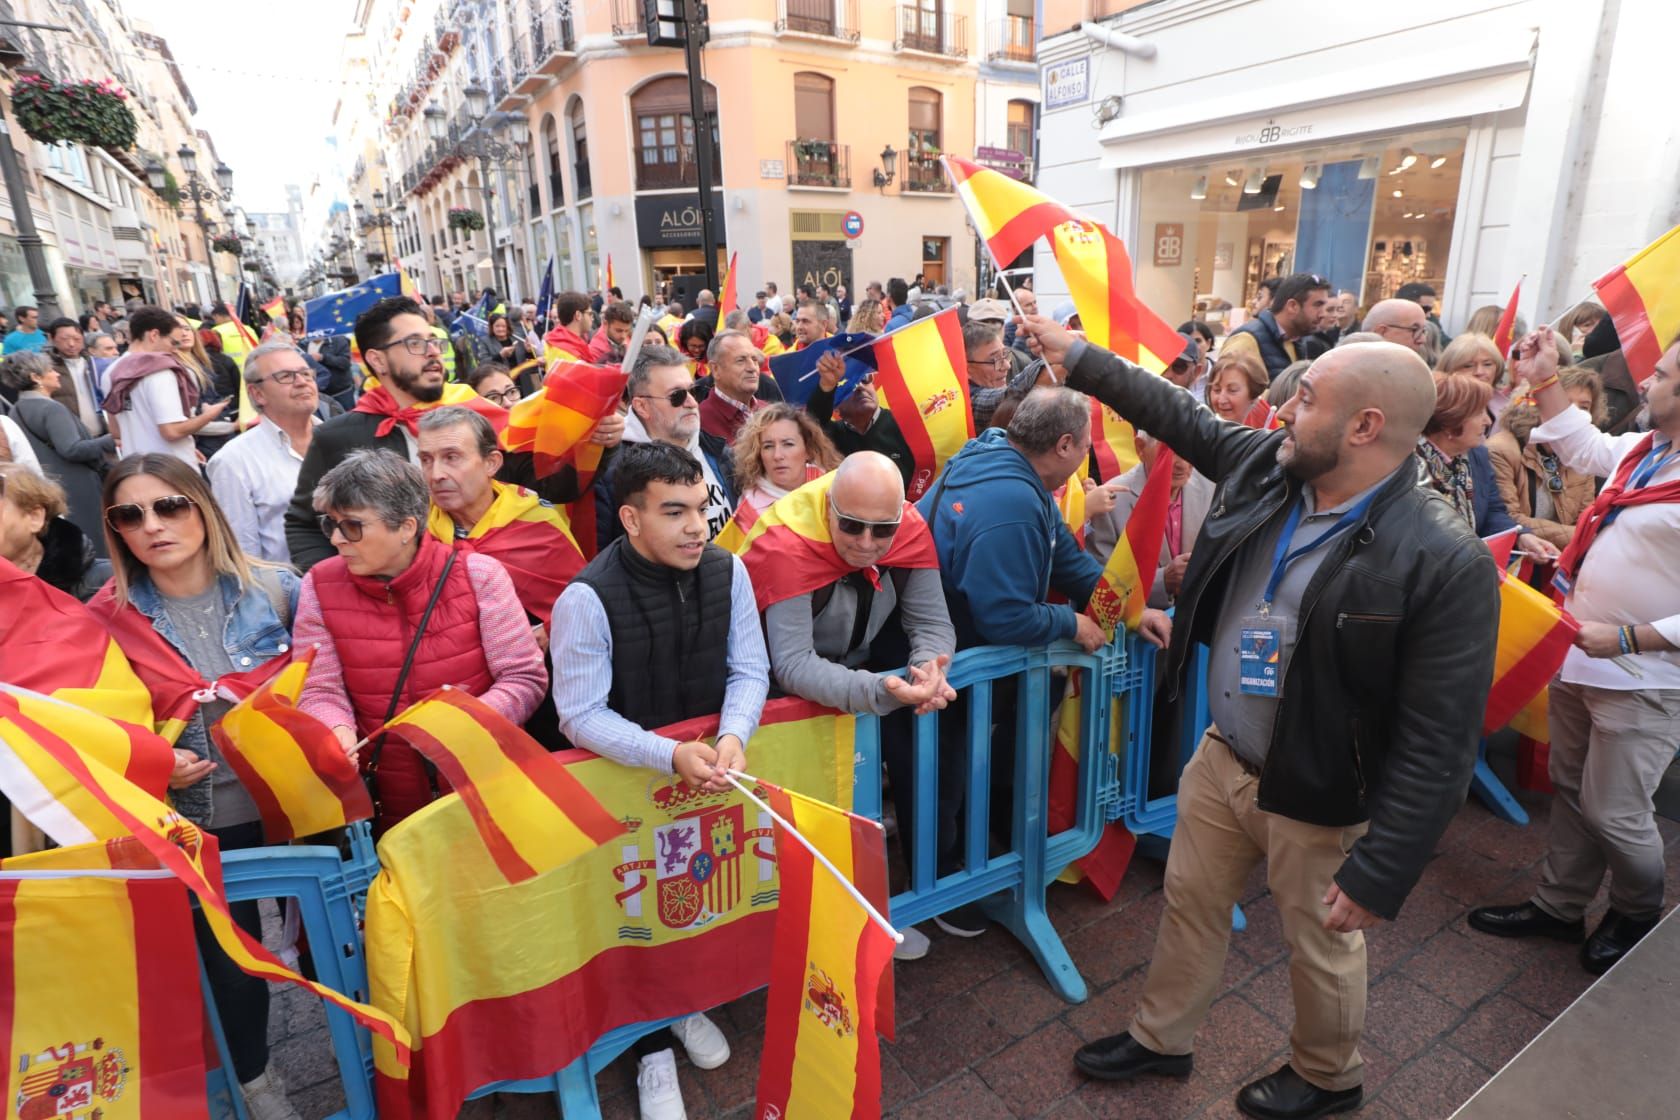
131,515
351,527
675,398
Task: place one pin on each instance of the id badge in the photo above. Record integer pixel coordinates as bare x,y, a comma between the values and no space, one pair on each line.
1260,656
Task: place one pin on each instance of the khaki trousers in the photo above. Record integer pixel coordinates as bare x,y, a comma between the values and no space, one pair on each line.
1610,749
1220,835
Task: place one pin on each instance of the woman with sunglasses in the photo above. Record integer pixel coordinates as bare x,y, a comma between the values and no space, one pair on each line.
1546,497
398,614
181,587
62,445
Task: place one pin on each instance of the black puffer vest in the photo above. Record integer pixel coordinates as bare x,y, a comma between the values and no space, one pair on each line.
670,632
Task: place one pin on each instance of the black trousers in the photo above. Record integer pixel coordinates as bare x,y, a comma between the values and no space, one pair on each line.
241,999
897,751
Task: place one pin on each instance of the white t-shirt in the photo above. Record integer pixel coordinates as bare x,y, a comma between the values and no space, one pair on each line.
23,452
155,400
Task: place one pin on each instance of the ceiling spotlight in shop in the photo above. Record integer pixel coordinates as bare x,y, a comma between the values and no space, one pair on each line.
1199,191
1278,207
1255,179
1437,162
1368,167
1408,158
1399,194
1309,177
1231,179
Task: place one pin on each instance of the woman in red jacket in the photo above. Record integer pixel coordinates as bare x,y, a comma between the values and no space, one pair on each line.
398,614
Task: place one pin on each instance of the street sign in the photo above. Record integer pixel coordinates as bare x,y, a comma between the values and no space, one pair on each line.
852,225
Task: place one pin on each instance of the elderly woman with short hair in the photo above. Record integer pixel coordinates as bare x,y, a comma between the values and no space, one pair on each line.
398,614
37,537
67,452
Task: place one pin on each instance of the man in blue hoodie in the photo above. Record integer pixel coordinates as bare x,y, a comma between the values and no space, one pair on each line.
1003,547
898,303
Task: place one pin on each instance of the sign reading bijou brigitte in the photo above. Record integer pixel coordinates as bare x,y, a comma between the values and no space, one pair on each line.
667,220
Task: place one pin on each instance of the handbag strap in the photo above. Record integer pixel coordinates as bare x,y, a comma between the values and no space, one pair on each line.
378,745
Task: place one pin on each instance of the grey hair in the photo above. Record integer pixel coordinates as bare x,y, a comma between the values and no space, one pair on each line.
92,337
737,320
19,370
450,415
650,358
1045,416
1283,386
376,480
714,348
274,344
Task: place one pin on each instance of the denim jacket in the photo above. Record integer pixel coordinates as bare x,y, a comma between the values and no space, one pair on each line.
254,635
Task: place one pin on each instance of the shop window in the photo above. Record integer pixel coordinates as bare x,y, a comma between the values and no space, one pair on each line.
665,153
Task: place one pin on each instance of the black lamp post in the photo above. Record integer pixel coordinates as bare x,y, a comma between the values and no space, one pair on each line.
889,158
200,192
481,143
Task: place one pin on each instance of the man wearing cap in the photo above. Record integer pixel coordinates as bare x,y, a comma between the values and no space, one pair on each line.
1184,368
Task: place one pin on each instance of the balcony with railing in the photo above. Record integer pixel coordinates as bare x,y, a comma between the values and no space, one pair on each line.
627,19
920,172
668,167
552,39
1013,39
931,32
556,189
824,19
819,163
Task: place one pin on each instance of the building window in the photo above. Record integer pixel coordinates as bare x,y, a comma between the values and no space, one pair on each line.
813,106
665,153
936,259
556,181
922,171
1021,127
580,153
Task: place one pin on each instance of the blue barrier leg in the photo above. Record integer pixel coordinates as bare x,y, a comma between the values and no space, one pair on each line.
1487,786
226,1100
1238,921
576,1092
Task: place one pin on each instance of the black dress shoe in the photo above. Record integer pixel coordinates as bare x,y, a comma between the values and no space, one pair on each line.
1286,1095
1609,943
1120,1057
1524,920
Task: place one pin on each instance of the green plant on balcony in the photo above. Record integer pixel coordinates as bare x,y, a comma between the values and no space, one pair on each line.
816,159
465,218
84,112
228,243
171,192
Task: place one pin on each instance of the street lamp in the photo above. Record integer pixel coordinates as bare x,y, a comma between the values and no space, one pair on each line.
884,177
200,192
481,143
377,219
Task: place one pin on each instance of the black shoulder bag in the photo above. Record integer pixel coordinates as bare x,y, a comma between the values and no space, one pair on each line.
370,776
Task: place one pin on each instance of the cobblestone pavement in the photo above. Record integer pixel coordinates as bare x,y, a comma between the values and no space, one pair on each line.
981,1036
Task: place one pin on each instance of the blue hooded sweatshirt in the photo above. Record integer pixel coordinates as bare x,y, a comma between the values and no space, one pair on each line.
1002,547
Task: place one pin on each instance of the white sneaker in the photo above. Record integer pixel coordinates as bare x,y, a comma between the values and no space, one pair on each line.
914,947
657,1093
265,1097
705,1044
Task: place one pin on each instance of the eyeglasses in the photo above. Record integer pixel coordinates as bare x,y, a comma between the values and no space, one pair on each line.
285,376
129,515
1418,330
996,361
507,398
351,527
675,398
415,344
857,527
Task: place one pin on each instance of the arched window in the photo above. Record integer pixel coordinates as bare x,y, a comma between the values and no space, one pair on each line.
813,106
551,148
580,152
665,155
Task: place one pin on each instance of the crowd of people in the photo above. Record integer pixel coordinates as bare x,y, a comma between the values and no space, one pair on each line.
370,514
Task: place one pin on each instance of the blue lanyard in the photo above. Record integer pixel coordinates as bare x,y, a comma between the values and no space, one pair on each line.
1282,557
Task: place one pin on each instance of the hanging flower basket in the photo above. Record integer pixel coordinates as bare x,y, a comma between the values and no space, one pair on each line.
228,243
84,112
461,217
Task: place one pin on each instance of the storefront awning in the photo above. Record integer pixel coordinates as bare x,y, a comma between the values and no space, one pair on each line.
1395,93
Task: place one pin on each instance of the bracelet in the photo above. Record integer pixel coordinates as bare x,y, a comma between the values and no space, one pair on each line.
1546,384
1623,640
1633,637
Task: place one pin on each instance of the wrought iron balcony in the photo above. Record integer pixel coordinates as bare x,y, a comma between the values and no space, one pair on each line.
664,168
920,172
627,19
1012,39
818,163
831,19
935,32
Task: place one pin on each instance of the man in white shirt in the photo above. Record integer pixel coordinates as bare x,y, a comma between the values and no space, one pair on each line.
255,474
1615,706
153,416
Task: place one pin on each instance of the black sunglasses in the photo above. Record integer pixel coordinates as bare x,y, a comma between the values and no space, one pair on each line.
129,515
674,398
857,527
351,527
1554,481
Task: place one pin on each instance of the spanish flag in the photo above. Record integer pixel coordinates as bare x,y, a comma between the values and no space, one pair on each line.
275,309
1106,864
172,682
1643,300
1123,588
100,1006
500,980
51,644
290,762
830,980
531,814
75,799
728,298
1113,442
922,370
611,283
530,538
1507,324
1535,635
789,552
556,423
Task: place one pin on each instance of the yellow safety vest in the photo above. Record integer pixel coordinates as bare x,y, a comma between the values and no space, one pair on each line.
235,343
448,352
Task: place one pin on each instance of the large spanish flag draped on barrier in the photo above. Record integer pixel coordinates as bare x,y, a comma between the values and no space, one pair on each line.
74,798
505,980
529,537
1534,637
290,762
1123,589
1642,296
50,643
830,974
556,423
100,1011
789,552
1105,864
922,370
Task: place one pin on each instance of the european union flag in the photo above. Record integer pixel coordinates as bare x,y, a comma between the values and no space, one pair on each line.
545,296
796,371
335,312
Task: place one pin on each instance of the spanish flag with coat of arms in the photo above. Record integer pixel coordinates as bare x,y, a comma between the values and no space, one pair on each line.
921,369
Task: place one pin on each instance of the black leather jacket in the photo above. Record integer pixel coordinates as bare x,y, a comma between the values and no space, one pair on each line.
1384,691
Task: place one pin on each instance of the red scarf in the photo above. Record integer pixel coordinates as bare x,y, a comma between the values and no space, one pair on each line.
1614,496
380,402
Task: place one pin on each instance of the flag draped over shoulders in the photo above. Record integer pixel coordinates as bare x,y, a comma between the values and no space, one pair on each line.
528,536
165,673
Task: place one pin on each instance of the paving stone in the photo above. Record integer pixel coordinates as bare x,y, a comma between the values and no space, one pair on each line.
947,1039
1404,1019
1149,1098
1107,1011
1233,1038
1550,979
1496,1031
1262,940
1036,1069
1269,990
735,1082
1434,1086
1470,877
1457,970
953,964
1020,999
964,1096
1107,949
